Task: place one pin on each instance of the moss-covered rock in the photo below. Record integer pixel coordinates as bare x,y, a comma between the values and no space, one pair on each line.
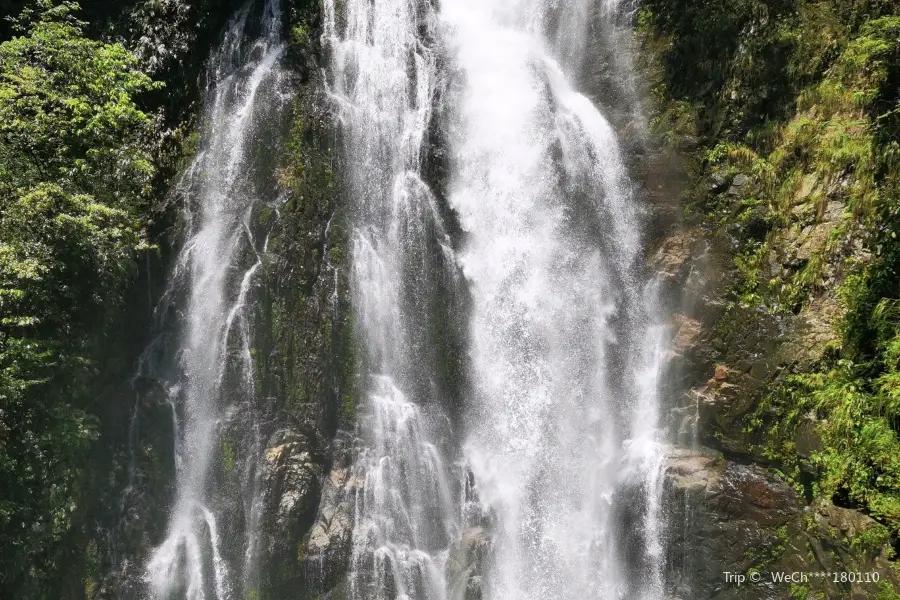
780,114
741,520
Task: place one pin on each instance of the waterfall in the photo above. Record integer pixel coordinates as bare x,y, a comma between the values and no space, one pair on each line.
205,365
381,78
547,434
563,433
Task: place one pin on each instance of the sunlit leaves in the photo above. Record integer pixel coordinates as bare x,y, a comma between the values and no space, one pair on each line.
74,187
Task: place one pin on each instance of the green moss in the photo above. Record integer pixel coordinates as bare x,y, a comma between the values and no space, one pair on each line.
349,405
300,34
799,591
803,98
886,591
227,456
301,551
872,540
769,550
350,369
93,573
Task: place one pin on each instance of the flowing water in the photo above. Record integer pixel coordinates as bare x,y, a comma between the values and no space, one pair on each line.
562,427
563,437
382,80
205,366
555,438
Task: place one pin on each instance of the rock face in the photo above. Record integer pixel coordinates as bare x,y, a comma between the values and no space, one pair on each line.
731,518
290,486
729,511
328,542
466,564
722,512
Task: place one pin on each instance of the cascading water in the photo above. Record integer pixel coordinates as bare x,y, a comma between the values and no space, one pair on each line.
563,435
208,376
405,515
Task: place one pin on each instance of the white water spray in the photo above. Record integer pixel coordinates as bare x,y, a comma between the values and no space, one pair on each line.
381,78
212,275
564,434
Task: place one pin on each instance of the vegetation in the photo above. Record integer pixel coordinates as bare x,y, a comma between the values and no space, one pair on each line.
74,185
81,163
802,99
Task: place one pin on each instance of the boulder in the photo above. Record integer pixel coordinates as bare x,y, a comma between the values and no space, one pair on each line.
728,517
328,543
289,485
724,514
739,185
466,564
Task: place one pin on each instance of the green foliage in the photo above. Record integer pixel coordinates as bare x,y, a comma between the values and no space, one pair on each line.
67,113
74,183
828,150
770,550
886,591
803,98
872,540
852,397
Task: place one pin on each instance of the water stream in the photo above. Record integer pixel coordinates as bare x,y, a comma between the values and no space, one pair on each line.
382,80
205,366
551,438
566,344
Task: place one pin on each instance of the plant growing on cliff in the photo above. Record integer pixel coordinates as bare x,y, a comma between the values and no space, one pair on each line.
74,182
803,99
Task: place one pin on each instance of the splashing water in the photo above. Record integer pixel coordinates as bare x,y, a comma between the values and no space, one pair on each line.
381,79
211,280
562,435
564,438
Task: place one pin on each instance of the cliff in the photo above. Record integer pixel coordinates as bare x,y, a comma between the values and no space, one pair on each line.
764,143
783,117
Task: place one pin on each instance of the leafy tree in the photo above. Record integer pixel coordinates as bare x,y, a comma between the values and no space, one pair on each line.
74,187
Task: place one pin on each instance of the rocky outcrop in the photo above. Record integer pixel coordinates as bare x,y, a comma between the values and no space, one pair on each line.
729,521
729,509
466,564
328,542
290,485
723,513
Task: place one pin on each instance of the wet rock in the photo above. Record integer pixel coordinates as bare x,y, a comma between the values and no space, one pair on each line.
685,341
717,183
736,518
738,186
687,334
339,592
466,564
328,547
289,481
149,491
723,512
675,252
722,406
